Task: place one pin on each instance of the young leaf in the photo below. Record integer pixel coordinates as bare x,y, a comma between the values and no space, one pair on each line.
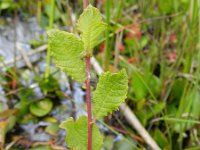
110,93
66,51
91,26
77,135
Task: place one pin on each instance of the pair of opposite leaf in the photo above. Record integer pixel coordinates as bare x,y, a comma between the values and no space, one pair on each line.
67,51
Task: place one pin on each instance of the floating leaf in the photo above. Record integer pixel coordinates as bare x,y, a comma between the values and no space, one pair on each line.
41,108
111,91
91,26
77,134
66,51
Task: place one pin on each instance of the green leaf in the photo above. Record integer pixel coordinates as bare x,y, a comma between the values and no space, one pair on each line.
77,134
155,109
66,51
91,26
41,108
144,83
177,89
188,109
11,123
139,88
1,107
8,4
166,6
111,91
148,112
161,139
49,85
194,109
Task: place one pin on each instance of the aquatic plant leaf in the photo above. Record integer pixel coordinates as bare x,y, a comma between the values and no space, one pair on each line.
77,136
66,51
111,91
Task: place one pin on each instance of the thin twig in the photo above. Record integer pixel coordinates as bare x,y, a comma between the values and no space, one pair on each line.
132,119
69,16
55,147
32,52
135,137
117,45
149,20
24,56
9,146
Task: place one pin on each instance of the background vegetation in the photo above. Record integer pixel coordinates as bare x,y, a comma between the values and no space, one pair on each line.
156,41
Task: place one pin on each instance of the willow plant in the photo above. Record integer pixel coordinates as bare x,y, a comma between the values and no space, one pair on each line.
71,53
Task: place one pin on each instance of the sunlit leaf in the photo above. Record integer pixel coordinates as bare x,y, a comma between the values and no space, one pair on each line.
66,51
111,91
77,134
91,26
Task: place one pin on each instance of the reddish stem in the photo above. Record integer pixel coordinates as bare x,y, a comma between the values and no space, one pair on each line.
135,137
88,96
88,99
85,3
